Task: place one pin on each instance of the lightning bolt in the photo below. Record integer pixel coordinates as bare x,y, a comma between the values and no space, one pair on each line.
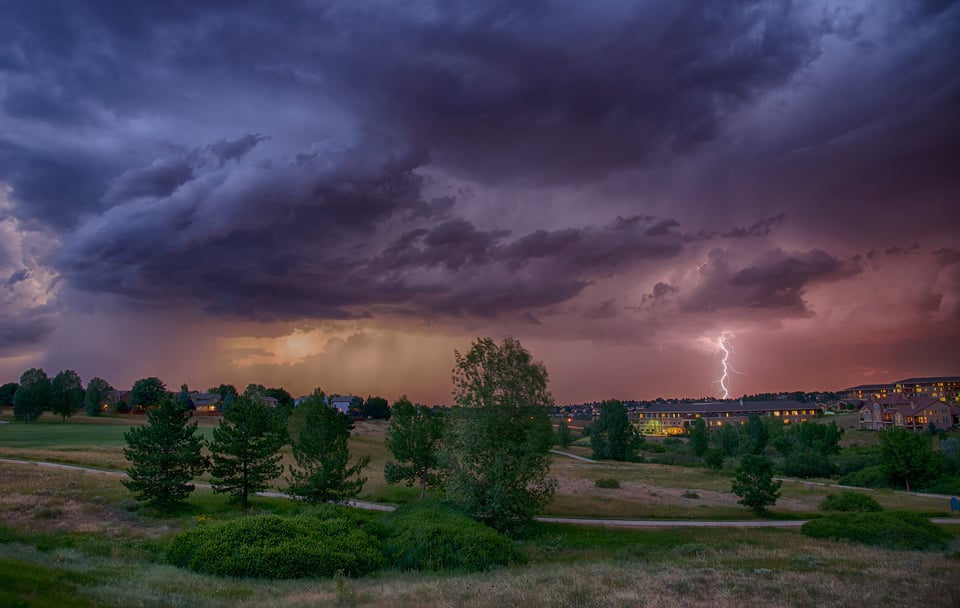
726,349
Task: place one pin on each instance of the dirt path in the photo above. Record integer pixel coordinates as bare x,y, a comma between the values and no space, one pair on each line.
620,523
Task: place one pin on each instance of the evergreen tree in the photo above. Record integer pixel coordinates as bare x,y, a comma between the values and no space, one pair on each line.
415,437
755,435
755,486
66,393
32,396
245,449
497,451
165,454
96,395
322,453
612,436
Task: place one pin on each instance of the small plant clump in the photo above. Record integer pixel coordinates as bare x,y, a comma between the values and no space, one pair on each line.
607,483
888,529
437,536
270,546
850,502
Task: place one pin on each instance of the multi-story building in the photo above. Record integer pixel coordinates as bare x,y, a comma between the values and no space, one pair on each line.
674,418
944,388
910,413
866,392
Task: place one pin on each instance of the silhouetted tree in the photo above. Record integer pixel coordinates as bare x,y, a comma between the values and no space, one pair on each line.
415,437
96,395
32,396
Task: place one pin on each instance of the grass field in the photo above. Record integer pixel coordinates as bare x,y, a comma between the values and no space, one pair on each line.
67,538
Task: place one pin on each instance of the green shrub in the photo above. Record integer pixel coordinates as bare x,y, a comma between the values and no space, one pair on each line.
850,502
270,546
870,477
945,485
672,442
437,536
806,463
855,458
888,529
714,458
690,494
653,447
607,483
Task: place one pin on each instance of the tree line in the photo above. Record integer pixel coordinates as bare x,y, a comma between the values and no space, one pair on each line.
489,454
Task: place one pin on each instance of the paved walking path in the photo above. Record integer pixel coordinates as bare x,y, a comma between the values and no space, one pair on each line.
579,521
574,456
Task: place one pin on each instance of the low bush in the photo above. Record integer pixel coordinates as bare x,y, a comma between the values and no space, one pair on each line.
607,483
850,502
945,485
888,529
270,546
870,477
437,536
805,464
856,458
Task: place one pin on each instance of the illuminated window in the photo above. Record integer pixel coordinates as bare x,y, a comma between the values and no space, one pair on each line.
776,412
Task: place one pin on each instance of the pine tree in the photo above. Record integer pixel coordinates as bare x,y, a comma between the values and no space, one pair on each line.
415,436
245,449
165,454
323,456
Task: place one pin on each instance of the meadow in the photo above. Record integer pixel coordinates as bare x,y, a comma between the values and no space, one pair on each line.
75,538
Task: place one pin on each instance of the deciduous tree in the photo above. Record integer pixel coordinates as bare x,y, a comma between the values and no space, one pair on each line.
7,391
699,437
95,396
908,459
165,455
754,484
322,453
415,437
245,449
612,436
147,392
497,449
66,393
32,396
564,436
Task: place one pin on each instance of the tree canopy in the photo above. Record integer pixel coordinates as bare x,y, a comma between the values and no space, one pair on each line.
245,449
415,437
612,436
497,450
96,395
165,455
908,459
66,393
754,484
32,396
323,472
7,391
147,391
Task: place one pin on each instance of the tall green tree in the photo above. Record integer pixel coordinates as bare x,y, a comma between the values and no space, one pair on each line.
376,408
754,436
699,437
245,449
416,433
95,396
147,392
612,436
165,455
7,391
907,459
32,396
321,449
284,400
66,393
497,452
755,486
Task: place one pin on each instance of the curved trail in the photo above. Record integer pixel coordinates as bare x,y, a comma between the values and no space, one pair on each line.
579,521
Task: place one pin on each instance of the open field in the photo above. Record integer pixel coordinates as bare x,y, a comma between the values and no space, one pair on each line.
647,490
66,539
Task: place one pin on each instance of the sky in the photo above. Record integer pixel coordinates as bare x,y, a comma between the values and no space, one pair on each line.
340,195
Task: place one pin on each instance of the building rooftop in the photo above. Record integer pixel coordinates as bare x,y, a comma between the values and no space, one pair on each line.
728,406
929,379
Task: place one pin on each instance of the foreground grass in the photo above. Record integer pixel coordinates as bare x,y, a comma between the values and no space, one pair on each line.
66,539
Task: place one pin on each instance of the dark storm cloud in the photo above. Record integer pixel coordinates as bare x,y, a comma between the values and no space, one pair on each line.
23,330
564,89
15,277
774,282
